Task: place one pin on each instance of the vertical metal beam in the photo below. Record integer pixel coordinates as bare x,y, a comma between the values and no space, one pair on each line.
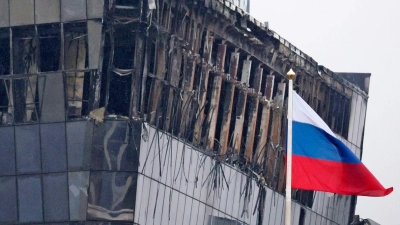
174,77
157,85
62,47
252,117
227,103
188,78
239,121
94,98
215,96
241,107
275,133
10,92
259,156
146,64
137,76
246,72
203,86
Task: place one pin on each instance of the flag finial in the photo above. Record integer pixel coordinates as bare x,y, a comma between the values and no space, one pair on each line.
291,74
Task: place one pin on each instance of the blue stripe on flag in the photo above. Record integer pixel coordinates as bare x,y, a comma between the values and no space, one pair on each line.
313,142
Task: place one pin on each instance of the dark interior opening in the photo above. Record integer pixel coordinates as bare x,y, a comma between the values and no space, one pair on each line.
49,45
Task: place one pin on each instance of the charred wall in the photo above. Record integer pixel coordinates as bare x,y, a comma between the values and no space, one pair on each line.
203,71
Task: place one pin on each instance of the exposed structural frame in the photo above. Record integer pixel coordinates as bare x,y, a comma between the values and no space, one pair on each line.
204,72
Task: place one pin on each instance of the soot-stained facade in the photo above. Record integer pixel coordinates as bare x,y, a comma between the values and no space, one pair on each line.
157,112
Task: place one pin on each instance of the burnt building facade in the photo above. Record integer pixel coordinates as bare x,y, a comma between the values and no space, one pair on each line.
157,112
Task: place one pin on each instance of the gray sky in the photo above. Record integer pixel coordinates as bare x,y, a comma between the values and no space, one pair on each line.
354,36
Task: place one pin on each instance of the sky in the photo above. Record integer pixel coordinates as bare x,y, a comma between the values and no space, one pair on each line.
354,36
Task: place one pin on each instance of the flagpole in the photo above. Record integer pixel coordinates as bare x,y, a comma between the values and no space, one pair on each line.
291,75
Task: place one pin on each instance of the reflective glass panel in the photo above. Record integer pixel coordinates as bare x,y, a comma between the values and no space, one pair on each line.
111,195
28,149
79,141
7,151
55,197
54,154
78,189
112,147
8,196
30,199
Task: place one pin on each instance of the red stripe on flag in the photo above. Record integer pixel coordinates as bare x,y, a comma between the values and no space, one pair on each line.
336,177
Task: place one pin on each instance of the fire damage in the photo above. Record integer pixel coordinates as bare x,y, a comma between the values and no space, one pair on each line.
202,72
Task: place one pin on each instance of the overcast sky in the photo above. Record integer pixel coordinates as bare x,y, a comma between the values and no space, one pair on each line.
354,36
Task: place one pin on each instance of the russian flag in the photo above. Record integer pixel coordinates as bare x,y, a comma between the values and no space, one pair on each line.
322,162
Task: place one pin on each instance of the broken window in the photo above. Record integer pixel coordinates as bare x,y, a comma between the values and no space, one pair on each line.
119,92
18,103
120,78
78,86
4,51
22,92
75,46
76,60
4,70
126,9
49,45
24,50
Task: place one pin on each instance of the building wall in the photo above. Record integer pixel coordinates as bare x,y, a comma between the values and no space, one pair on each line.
182,185
184,70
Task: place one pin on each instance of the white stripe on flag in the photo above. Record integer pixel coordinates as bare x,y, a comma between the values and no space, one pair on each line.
303,113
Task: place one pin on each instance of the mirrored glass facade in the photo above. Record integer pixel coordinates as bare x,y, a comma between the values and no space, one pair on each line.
157,112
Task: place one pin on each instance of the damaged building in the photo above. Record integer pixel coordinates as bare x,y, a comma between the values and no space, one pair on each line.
158,112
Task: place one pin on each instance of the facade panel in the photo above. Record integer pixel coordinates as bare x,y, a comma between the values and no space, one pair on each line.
132,111
47,11
4,14
21,12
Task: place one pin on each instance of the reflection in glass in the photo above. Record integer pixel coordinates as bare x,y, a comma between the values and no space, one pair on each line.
78,194
112,195
112,147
